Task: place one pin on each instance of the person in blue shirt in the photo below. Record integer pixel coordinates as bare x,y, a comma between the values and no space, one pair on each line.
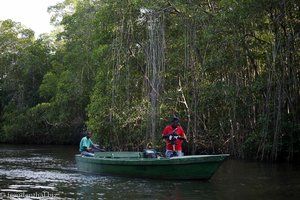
87,147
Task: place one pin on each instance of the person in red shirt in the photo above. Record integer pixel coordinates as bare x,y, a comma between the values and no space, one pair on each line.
174,136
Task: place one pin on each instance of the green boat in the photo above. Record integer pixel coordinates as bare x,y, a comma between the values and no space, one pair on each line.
135,164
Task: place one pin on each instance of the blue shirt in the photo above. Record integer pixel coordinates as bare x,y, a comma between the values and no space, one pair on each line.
85,142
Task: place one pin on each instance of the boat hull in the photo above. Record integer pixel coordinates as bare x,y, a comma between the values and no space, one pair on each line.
200,167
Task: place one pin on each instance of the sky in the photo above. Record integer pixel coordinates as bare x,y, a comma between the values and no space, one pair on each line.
31,13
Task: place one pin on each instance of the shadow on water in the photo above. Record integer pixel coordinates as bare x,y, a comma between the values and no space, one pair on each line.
50,172
256,180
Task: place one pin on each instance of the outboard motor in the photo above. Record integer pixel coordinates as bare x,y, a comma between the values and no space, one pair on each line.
150,153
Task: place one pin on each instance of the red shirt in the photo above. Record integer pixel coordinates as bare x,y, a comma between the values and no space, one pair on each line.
178,143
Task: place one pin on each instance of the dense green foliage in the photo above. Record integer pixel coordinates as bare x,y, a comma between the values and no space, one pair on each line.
229,69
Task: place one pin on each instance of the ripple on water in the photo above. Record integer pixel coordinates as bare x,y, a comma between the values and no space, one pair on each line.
32,187
13,190
62,184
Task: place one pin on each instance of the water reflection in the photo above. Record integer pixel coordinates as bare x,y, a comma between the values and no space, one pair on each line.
33,172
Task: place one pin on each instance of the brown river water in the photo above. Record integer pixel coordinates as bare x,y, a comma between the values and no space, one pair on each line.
49,172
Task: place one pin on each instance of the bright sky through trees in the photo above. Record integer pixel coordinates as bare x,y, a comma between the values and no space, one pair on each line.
31,13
